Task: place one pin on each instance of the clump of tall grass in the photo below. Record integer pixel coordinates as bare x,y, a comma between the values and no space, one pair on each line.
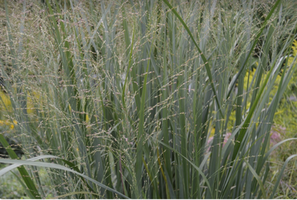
117,99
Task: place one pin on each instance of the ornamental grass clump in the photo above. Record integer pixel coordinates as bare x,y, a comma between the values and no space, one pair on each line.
124,95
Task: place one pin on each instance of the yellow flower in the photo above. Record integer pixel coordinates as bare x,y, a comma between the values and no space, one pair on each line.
87,118
213,130
8,123
4,100
12,124
248,78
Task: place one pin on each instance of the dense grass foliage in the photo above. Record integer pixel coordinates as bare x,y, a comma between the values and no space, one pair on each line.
147,99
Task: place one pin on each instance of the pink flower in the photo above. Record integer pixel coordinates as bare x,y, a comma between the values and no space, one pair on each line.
275,137
226,138
275,134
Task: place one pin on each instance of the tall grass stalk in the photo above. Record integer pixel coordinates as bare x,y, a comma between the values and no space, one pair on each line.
147,99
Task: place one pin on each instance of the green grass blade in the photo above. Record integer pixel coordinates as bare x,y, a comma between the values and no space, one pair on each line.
281,174
195,167
232,84
250,114
257,177
207,66
32,190
54,166
141,133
